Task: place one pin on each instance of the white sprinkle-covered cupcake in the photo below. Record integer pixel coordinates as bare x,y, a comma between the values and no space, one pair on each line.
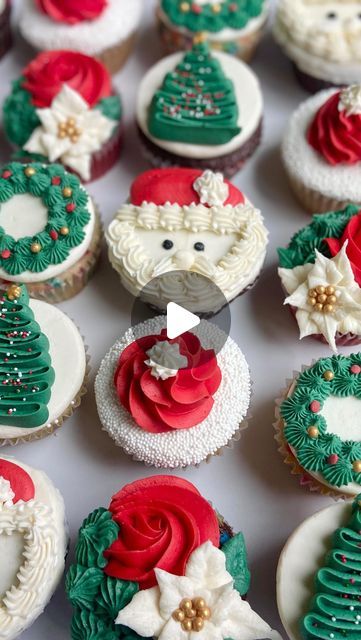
173,403
33,545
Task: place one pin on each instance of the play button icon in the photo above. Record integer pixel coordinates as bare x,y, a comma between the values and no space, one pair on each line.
179,320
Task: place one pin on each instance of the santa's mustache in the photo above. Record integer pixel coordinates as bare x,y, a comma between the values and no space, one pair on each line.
200,264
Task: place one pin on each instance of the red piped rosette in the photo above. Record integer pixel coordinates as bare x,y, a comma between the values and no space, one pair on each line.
70,11
351,234
20,482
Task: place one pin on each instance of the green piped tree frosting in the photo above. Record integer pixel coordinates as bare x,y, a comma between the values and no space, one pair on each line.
196,103
335,611
26,374
68,214
306,430
232,14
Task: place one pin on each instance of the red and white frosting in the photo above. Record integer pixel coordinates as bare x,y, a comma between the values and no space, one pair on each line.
72,11
16,481
351,235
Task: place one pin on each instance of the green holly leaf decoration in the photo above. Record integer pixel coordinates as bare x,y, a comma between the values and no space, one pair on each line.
111,107
236,562
82,585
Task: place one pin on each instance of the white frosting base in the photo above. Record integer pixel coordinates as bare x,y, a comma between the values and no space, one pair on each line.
35,207
68,360
119,21
342,182
177,448
302,556
10,550
248,95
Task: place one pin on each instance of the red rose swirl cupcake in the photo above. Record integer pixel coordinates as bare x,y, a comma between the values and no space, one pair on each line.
64,109
161,563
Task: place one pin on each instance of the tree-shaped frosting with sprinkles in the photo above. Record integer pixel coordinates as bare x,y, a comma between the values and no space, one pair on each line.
26,374
196,103
336,608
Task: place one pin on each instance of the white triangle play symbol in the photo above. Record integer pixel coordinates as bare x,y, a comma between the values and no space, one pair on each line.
179,320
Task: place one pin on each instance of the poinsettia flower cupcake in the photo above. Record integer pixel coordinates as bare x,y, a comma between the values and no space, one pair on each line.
321,274
200,109
173,403
183,579
321,150
31,513
102,28
234,27
5,27
63,108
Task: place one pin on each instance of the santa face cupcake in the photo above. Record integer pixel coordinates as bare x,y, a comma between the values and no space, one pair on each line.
105,29
5,27
322,39
40,345
173,403
182,579
232,27
318,428
189,221
321,275
200,109
321,150
319,597
31,514
63,108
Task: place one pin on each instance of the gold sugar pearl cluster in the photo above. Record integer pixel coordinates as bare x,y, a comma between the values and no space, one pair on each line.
13,292
69,129
323,298
192,614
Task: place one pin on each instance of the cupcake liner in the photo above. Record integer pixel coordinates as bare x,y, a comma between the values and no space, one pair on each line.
115,57
58,422
311,83
104,159
342,339
5,30
314,201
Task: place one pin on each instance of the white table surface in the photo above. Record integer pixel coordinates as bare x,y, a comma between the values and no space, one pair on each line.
250,485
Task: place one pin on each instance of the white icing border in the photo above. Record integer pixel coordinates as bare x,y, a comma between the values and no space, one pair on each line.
177,449
116,24
342,182
248,95
68,355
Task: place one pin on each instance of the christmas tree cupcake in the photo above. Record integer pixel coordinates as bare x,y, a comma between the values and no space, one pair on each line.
63,108
54,250
36,392
5,27
33,545
103,28
232,27
200,109
317,425
321,150
185,578
172,403
319,597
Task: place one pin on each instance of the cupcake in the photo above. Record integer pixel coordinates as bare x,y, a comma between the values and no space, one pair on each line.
33,545
321,275
5,27
54,250
321,150
322,39
193,222
318,425
232,27
63,108
40,345
161,563
173,403
102,28
200,109
319,596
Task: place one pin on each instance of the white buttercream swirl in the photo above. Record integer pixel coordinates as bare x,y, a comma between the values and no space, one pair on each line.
211,188
6,493
350,100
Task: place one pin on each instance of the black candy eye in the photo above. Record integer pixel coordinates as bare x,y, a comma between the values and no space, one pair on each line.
331,15
199,246
167,244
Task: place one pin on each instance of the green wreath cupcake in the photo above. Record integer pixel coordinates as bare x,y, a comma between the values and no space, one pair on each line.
50,230
318,425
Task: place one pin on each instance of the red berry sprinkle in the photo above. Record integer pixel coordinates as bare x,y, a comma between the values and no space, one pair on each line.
232,7
56,180
53,234
315,406
332,459
6,253
7,174
196,8
70,207
356,369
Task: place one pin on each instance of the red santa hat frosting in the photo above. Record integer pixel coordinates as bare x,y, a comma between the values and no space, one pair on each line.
18,482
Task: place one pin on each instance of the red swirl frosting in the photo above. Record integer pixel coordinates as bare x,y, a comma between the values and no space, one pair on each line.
45,76
336,135
162,521
72,11
181,401
352,233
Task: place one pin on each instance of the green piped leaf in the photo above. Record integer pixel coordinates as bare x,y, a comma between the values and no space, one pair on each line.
82,586
111,107
97,534
236,562
86,626
115,595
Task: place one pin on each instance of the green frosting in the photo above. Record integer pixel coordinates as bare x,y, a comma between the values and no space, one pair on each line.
327,453
335,611
64,212
26,374
196,103
237,562
233,14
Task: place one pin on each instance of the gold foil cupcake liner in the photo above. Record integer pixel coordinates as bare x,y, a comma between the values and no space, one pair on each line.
115,57
314,201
